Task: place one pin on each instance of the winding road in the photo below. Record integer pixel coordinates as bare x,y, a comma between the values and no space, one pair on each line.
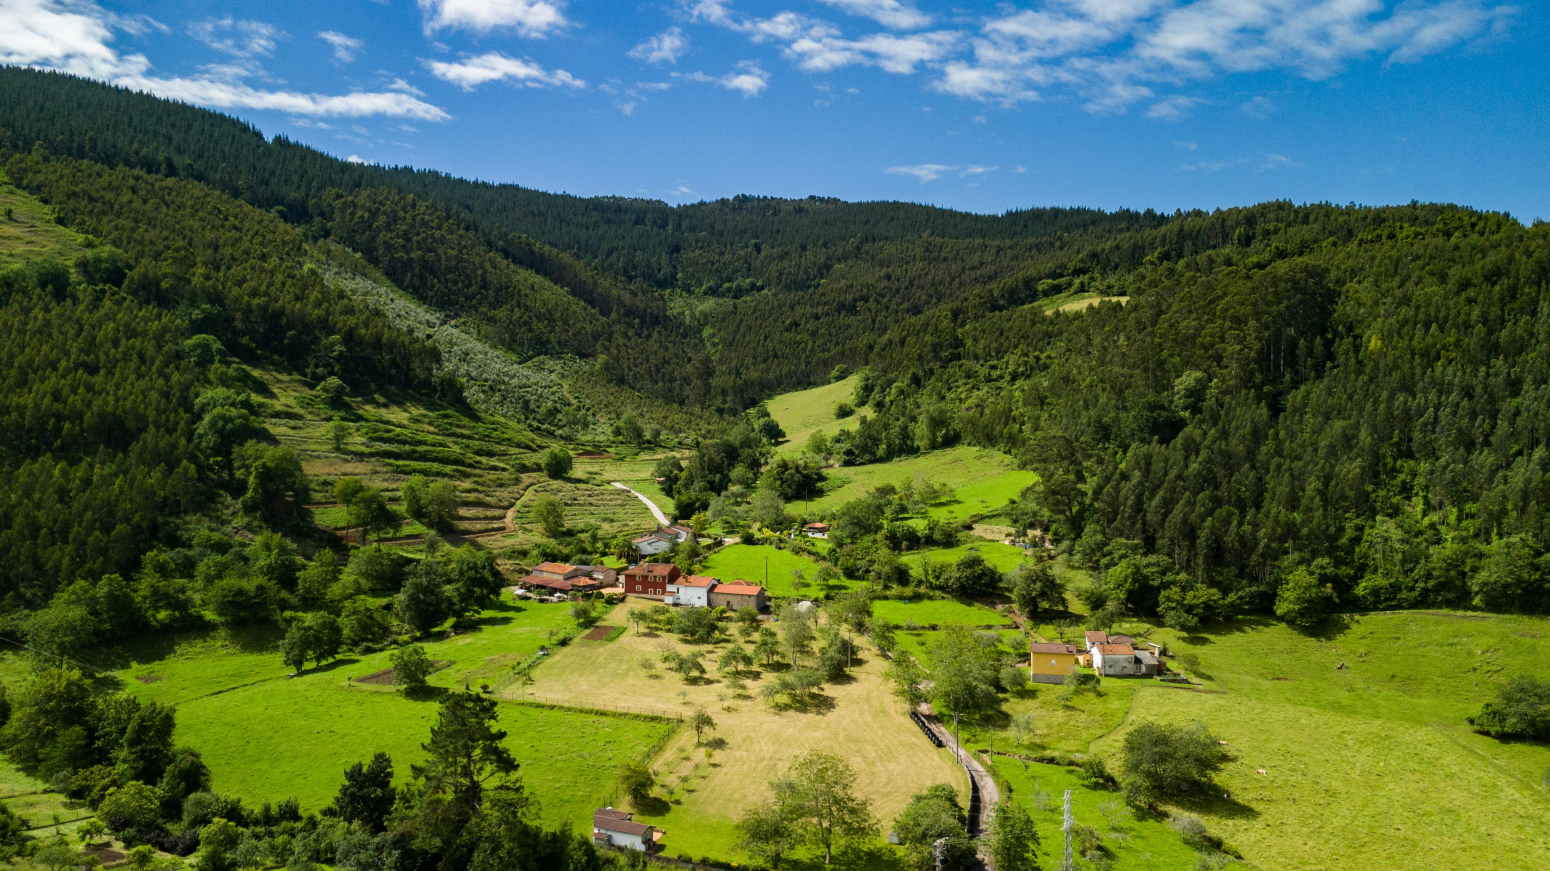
989,793
655,511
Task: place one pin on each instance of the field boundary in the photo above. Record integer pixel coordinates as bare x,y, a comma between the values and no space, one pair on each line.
623,711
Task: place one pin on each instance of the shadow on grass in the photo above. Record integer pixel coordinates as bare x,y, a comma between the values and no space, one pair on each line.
651,806
151,649
813,703
1221,805
715,744
329,666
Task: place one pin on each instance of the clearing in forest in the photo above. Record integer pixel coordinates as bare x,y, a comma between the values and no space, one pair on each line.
804,412
748,561
711,784
982,481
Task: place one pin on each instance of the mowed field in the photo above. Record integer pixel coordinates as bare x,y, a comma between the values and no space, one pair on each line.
747,561
267,736
805,412
865,725
1369,766
1003,556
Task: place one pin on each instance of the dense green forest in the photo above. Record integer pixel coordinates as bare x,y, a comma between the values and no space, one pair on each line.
1350,403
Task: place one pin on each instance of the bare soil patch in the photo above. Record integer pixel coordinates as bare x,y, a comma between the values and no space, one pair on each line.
600,633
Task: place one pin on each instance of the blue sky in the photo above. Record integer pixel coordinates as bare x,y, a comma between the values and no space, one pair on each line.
986,107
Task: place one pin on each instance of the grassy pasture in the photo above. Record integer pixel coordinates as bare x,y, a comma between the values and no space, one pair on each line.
1002,556
267,735
918,643
30,232
804,412
1140,841
746,561
1374,761
936,612
708,786
982,480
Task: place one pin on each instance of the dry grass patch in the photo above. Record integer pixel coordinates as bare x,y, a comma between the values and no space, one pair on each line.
711,784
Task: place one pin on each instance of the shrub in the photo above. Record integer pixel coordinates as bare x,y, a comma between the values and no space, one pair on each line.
1096,774
843,410
1164,762
557,462
135,806
1013,678
1521,709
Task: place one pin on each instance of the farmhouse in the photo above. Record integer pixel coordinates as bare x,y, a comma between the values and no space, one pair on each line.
691,590
1050,663
618,829
816,530
738,594
650,579
561,578
659,540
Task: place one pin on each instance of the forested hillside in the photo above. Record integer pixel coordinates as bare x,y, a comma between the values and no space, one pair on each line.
1349,403
1357,398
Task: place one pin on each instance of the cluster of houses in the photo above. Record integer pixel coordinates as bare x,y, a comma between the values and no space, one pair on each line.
1107,655
666,583
663,582
560,578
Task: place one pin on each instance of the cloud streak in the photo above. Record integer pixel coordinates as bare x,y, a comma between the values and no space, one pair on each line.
76,37
1115,54
925,172
530,18
471,72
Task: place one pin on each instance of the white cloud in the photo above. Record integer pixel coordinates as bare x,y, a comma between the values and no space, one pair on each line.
405,87
354,158
748,78
932,171
1172,108
666,47
76,37
533,18
889,13
1259,107
1116,54
472,72
237,37
345,48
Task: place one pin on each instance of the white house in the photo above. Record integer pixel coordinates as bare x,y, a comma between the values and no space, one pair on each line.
659,540
691,590
816,530
616,828
1116,660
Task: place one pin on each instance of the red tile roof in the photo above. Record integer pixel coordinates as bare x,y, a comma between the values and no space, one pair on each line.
694,581
740,588
1096,637
611,814
1116,650
1042,647
557,568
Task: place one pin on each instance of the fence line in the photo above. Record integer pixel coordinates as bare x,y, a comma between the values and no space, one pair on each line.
631,710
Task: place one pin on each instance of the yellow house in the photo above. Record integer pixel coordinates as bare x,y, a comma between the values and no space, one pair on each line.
1049,663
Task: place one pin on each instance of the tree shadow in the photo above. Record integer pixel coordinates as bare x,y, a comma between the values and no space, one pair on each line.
812,703
1218,804
717,743
425,694
329,666
651,806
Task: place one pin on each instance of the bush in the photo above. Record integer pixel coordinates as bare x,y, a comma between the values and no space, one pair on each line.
1164,762
1096,774
557,462
1521,709
135,806
1013,678
843,410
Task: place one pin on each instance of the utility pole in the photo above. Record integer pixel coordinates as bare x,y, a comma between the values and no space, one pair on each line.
766,573
1067,825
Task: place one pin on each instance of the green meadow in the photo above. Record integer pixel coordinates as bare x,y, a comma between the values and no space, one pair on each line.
1132,840
982,481
747,561
267,735
936,612
804,412
1003,556
1336,767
